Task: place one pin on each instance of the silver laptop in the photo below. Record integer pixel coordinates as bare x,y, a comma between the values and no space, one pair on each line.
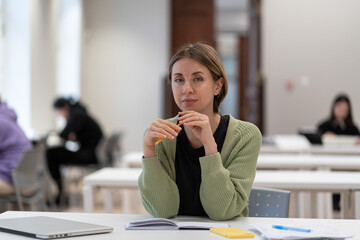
49,228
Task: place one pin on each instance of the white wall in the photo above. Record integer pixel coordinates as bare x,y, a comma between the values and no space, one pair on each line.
16,59
125,57
44,15
315,45
69,48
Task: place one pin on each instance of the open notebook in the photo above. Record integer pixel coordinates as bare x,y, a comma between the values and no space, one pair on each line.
166,224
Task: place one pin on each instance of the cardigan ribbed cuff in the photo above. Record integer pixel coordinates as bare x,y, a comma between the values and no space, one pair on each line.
211,163
150,164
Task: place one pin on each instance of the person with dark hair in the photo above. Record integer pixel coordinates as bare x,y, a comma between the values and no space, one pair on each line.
80,127
340,121
198,163
13,143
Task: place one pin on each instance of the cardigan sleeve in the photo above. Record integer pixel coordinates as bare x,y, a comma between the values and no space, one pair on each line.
226,184
159,192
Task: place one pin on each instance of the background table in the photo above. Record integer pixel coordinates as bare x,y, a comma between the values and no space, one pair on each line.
345,183
118,221
314,149
121,178
308,161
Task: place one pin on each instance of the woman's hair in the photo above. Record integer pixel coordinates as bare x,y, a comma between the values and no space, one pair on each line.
342,98
62,102
207,56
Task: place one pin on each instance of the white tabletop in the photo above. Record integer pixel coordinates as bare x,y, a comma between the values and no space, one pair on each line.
117,221
301,180
298,161
119,177
307,180
314,149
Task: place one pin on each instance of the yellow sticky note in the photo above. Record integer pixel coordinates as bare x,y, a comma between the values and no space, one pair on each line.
232,232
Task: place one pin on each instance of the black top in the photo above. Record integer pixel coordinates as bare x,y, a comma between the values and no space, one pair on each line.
327,126
188,170
86,129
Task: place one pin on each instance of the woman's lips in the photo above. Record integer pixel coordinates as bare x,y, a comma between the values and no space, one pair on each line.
189,101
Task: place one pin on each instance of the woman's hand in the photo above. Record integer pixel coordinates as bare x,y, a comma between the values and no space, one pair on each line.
200,128
157,130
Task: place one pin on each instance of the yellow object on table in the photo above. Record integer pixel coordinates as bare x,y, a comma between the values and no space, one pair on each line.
232,232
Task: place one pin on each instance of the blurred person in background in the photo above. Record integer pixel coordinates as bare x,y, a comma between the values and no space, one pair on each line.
340,121
13,143
81,128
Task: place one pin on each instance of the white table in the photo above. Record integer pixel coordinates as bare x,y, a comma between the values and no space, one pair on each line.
132,159
121,178
308,161
117,221
318,158
314,149
345,183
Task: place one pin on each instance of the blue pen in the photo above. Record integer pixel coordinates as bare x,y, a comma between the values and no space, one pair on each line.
291,228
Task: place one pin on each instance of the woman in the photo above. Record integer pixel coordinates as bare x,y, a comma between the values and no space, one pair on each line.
340,121
13,144
206,166
80,127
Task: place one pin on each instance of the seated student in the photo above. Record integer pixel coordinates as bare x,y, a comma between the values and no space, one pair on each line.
13,143
80,127
206,166
340,121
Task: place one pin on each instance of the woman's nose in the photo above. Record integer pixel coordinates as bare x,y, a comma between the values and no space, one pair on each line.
188,89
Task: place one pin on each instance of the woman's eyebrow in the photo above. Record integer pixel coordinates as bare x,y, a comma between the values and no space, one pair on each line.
198,72
180,74
194,73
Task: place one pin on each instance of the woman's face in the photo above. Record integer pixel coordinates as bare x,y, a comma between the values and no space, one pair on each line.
341,110
193,86
63,112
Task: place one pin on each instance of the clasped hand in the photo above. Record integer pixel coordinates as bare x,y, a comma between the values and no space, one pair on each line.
200,130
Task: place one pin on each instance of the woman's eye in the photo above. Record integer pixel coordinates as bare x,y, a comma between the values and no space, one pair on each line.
198,79
178,80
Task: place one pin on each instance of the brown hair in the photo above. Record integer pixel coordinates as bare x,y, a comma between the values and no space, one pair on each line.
207,56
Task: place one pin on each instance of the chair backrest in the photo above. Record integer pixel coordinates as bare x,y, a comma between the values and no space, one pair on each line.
28,170
28,175
113,148
265,202
100,151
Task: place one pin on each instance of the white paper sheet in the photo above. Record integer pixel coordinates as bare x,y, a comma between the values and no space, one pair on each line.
317,231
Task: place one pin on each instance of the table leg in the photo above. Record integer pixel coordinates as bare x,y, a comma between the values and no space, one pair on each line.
356,206
126,200
324,205
108,201
88,198
305,205
345,205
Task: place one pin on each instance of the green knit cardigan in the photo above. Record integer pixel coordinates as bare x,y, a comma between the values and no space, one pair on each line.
226,177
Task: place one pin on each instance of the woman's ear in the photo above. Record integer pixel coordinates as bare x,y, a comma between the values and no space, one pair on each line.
218,85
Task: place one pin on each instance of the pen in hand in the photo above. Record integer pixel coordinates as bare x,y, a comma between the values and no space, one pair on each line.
291,228
158,141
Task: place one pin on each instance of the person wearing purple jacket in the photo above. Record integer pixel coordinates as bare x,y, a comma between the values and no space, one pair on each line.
13,143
